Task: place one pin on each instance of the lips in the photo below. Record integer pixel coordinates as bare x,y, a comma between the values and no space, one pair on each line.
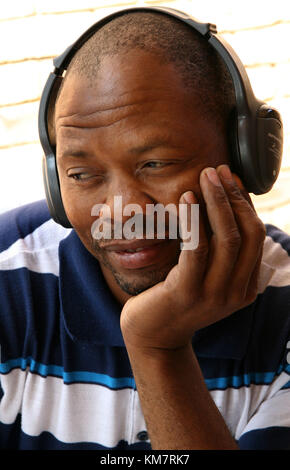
136,254
132,245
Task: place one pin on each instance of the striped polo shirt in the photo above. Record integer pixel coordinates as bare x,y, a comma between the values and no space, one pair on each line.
65,377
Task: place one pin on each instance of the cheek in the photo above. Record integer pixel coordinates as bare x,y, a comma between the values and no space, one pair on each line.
78,211
185,181
78,206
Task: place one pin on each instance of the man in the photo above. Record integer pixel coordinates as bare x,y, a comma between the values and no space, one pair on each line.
156,346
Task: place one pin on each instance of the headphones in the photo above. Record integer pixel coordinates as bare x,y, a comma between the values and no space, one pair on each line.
256,131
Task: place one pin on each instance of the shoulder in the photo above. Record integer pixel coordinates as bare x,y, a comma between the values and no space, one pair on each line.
29,238
271,322
18,223
275,265
29,269
279,237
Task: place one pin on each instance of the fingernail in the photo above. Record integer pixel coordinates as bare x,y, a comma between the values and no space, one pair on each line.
188,197
225,172
213,176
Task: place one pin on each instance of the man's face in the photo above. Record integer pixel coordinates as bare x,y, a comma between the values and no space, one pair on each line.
133,132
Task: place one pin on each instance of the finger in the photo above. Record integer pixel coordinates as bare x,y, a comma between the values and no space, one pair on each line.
251,229
252,287
235,188
242,189
225,241
245,294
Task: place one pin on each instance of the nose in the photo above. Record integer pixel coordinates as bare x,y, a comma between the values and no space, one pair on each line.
126,197
131,192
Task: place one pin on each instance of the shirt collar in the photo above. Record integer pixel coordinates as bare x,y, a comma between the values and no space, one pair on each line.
92,315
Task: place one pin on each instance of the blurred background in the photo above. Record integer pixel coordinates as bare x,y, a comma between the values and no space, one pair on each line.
32,32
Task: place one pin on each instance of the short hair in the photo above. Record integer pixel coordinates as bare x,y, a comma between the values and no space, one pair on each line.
202,70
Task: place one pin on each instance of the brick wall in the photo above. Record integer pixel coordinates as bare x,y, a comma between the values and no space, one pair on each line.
32,32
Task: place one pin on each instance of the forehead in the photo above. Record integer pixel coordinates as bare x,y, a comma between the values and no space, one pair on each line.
133,96
121,80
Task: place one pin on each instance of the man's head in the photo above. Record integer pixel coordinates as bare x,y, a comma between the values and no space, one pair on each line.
142,110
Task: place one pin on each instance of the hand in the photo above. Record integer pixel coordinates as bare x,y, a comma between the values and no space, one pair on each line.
209,283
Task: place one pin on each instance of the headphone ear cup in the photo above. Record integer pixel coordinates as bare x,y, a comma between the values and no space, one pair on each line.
269,145
52,191
47,139
256,143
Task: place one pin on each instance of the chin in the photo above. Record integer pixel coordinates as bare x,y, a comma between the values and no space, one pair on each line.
138,282
137,286
133,282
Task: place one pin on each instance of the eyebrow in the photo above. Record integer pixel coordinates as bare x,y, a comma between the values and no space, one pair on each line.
137,150
74,153
149,145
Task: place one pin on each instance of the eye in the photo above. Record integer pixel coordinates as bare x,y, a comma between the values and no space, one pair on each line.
80,176
155,164
84,177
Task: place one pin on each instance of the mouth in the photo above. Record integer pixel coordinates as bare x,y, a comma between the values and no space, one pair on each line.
138,254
